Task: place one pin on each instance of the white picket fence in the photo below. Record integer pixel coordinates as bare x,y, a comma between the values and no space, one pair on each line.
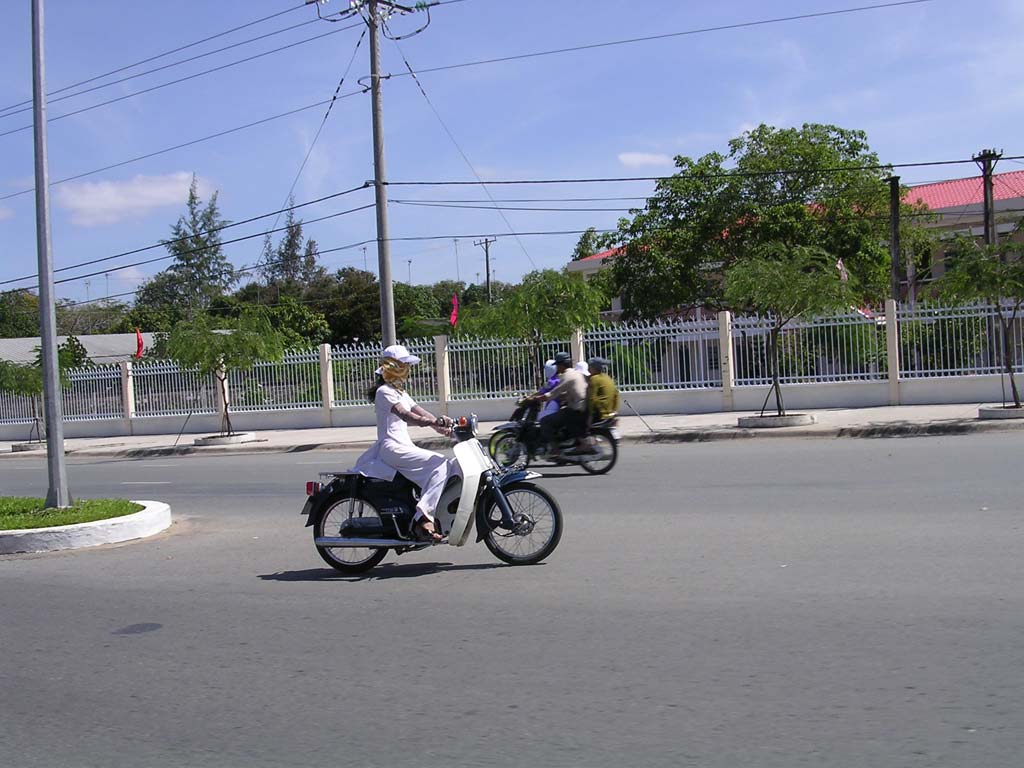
676,355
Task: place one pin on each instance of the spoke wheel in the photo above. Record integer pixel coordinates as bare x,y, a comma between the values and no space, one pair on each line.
508,452
537,529
606,456
334,516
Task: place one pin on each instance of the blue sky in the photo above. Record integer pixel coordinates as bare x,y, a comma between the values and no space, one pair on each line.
927,82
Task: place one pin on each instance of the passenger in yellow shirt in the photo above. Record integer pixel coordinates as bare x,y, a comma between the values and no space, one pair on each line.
602,394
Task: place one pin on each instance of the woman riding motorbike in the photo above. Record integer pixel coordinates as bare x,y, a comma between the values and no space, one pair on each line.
394,449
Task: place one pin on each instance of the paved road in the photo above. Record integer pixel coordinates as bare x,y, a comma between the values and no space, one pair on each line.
765,603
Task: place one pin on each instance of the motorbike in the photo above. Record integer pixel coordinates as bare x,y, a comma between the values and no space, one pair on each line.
517,442
356,519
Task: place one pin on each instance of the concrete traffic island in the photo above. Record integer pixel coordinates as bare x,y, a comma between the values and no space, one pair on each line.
25,447
774,420
154,517
1000,412
235,438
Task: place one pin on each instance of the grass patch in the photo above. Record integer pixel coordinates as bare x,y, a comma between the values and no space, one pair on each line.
18,513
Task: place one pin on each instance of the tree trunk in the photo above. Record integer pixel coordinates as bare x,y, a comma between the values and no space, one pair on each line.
774,362
225,419
1008,361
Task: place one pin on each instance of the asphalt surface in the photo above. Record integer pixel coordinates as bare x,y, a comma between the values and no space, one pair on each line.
743,603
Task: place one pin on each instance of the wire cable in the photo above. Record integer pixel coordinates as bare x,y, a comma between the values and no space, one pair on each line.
185,144
323,122
451,136
668,35
133,94
210,231
8,111
161,55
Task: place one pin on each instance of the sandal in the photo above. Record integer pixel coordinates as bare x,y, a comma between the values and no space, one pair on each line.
423,530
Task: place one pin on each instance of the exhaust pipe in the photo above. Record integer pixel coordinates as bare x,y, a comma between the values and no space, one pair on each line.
344,542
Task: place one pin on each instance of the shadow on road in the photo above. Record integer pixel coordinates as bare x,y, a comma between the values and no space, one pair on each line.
381,572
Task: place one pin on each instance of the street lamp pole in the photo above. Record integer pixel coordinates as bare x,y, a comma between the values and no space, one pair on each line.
57,494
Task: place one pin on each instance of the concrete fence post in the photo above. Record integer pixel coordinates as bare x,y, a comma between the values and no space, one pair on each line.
326,383
892,350
576,348
127,394
444,374
725,359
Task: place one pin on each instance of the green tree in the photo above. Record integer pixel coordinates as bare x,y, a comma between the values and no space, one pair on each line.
19,315
814,186
782,283
213,347
547,302
200,271
350,301
991,273
589,243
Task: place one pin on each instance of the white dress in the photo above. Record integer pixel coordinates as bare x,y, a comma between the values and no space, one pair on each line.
395,451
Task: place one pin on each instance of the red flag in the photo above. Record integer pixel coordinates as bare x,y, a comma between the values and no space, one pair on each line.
139,344
455,310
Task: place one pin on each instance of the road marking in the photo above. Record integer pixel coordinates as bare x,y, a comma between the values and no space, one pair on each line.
147,482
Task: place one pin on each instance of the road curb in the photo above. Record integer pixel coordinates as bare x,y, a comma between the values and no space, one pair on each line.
152,519
707,434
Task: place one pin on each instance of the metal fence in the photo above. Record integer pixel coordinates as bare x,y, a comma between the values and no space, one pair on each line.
353,366
483,369
19,409
672,355
955,341
683,354
292,383
93,393
847,347
163,389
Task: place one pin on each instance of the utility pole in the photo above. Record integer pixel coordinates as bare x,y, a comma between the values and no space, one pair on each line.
57,494
458,276
409,261
365,269
986,160
894,238
387,296
487,262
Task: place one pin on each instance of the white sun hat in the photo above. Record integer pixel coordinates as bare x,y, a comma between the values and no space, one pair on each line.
400,353
583,368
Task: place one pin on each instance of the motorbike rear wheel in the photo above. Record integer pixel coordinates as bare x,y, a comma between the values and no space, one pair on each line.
346,559
538,525
507,451
607,453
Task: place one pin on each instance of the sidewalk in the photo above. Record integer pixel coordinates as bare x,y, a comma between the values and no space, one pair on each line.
894,421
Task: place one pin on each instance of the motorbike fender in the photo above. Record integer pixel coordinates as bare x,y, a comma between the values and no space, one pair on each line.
508,426
473,462
314,503
515,477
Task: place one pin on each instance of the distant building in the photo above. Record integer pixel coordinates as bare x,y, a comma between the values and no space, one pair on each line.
102,348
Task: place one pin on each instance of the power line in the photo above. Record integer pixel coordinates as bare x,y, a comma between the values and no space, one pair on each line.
186,144
459,148
210,231
13,109
183,79
721,175
161,55
323,122
667,35
119,267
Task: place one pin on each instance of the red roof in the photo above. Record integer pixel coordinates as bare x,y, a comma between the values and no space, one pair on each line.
961,192
601,255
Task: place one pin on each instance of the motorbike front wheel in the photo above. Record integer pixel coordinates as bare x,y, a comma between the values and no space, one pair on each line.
537,527
335,514
607,454
508,452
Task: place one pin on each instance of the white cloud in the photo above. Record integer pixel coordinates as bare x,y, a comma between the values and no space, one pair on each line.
640,159
95,203
6,213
